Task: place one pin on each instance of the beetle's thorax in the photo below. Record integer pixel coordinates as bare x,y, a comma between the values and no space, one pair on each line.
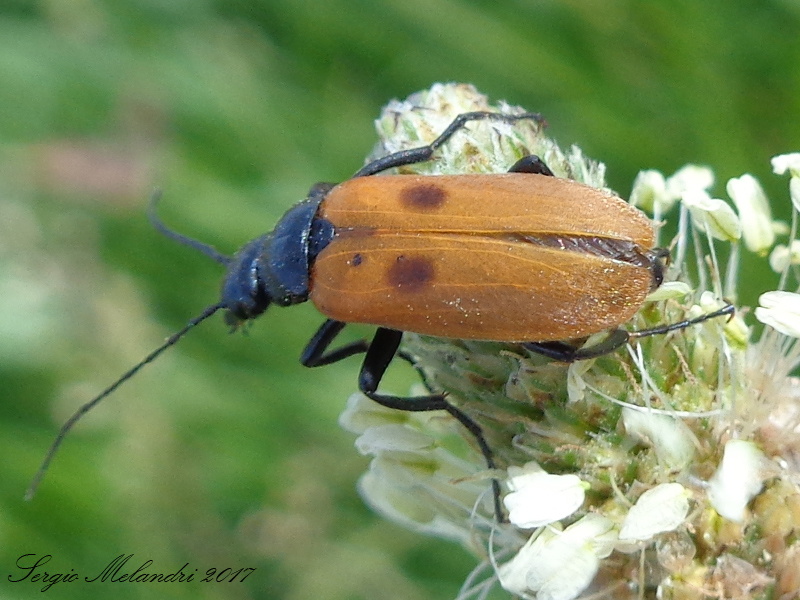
274,268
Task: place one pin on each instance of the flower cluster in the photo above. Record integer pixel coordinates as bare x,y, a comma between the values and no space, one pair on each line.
667,469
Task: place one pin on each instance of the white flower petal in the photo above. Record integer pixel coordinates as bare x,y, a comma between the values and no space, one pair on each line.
737,480
557,565
786,162
513,575
689,178
663,508
670,290
735,328
650,190
712,215
361,413
415,513
794,191
577,568
392,438
754,212
781,228
668,436
576,384
782,256
781,311
568,563
538,498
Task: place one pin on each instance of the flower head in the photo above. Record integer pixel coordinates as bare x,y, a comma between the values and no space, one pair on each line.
668,467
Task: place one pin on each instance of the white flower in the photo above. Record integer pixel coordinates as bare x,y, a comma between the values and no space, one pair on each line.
559,565
738,479
538,498
783,256
735,328
786,162
663,508
650,192
712,215
667,435
670,290
781,311
361,413
695,390
392,438
413,511
754,212
794,191
690,178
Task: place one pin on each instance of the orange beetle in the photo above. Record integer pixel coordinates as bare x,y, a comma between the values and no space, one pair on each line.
433,256
520,257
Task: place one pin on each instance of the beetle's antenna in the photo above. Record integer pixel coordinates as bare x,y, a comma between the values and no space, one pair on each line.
65,428
728,309
179,237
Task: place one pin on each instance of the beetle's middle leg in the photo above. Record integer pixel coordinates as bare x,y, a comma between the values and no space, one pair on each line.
379,355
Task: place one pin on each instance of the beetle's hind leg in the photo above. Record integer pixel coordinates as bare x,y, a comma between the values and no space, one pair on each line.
424,153
379,355
618,338
563,352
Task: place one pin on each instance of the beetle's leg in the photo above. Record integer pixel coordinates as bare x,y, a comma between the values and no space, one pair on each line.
617,338
423,153
531,164
314,354
565,353
381,352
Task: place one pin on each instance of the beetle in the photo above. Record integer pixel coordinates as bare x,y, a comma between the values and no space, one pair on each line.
521,256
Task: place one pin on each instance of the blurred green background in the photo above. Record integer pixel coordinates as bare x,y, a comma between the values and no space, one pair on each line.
226,452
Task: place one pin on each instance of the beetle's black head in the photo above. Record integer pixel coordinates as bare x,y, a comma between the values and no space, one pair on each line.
244,295
274,268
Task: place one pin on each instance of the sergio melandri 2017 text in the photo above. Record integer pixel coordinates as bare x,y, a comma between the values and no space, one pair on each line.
31,567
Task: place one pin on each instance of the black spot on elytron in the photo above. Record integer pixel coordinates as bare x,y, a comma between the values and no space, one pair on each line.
356,260
424,196
410,274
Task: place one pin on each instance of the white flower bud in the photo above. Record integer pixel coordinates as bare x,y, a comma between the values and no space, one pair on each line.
754,212
650,191
712,215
